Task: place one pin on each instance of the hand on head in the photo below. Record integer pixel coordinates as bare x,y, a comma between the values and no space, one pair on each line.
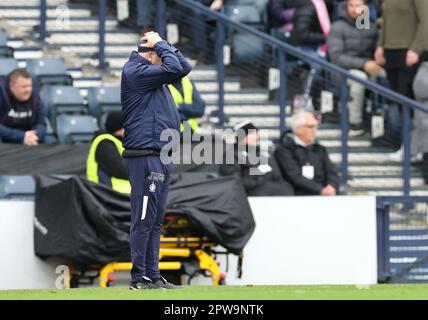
151,39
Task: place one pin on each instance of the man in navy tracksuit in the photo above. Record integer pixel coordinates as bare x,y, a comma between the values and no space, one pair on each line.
149,110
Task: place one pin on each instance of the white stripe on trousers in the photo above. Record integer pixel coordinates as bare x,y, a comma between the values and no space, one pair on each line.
145,201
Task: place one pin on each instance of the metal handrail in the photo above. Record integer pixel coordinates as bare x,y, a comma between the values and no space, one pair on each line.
284,49
298,53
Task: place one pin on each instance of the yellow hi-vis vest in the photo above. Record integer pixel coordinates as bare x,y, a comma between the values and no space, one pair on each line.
187,99
119,185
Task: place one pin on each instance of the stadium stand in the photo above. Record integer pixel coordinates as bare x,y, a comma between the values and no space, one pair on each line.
248,95
371,169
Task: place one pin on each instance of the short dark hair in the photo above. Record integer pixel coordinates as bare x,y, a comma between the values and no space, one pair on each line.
18,73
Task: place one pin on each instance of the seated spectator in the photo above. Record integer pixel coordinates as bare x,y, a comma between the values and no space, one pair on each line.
353,49
104,163
281,13
311,25
268,181
189,102
304,162
22,118
420,120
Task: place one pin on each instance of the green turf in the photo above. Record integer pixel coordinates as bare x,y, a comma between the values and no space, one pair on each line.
387,291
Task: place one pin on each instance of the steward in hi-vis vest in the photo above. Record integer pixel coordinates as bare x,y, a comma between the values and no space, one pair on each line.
104,164
189,102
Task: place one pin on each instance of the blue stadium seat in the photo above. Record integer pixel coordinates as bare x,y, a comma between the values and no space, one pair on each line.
102,121
5,50
103,100
73,129
62,99
50,70
247,47
251,12
21,187
50,136
6,66
245,13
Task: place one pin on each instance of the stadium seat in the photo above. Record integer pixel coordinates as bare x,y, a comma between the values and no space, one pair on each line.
251,12
102,121
50,136
62,99
245,12
50,70
5,50
16,187
6,66
247,47
103,100
73,129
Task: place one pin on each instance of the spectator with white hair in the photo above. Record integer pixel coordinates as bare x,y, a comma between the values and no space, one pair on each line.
304,162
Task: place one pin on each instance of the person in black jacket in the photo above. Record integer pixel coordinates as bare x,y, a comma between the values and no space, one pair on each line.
307,31
268,181
304,162
353,49
150,117
104,163
22,118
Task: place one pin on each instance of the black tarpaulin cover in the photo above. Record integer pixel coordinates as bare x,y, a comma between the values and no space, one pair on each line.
89,224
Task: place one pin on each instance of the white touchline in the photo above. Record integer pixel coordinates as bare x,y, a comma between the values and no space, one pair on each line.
143,213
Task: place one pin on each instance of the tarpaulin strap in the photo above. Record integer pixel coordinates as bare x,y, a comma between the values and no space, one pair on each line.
239,267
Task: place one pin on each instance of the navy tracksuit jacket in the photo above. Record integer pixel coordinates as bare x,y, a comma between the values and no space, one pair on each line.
148,109
10,132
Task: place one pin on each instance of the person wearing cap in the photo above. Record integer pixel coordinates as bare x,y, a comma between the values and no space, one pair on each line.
149,112
104,163
268,180
189,102
304,162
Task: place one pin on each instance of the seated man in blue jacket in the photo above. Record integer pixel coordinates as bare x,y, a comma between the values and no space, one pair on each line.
21,110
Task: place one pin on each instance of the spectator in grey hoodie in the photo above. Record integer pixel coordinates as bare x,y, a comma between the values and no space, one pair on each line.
352,48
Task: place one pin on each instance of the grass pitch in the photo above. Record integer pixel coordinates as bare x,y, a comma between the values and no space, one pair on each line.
375,292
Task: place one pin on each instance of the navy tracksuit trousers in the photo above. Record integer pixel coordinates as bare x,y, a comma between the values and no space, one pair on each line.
149,178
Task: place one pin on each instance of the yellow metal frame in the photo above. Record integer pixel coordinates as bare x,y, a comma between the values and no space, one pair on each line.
206,262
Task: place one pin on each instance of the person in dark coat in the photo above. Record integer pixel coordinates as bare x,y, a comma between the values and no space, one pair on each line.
281,14
22,118
307,27
149,112
304,162
352,48
268,181
420,120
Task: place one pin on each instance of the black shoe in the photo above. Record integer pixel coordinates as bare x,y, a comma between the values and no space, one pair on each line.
145,283
386,142
162,283
356,130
